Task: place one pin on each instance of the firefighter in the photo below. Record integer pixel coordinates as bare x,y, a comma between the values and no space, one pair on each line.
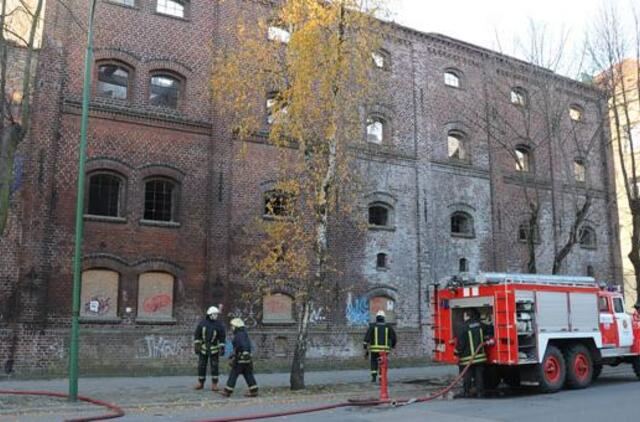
469,338
240,360
208,344
380,337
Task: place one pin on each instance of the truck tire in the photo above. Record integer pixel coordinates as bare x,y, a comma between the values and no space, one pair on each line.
552,371
636,366
579,366
597,370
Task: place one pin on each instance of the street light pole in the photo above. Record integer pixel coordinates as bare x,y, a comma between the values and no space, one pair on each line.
77,255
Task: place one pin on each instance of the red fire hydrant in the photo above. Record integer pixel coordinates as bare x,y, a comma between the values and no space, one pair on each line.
384,365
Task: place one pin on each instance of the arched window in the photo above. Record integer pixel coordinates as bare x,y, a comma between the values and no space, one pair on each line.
579,170
113,81
379,215
165,90
576,113
99,294
278,204
452,78
276,107
277,308
155,295
160,199
175,8
105,195
381,59
519,97
376,129
590,271
463,265
523,158
588,237
381,260
456,142
461,224
382,303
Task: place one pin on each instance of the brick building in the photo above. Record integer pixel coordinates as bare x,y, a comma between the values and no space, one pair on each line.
169,196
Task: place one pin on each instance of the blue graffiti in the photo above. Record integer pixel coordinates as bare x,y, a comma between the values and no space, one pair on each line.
18,171
357,311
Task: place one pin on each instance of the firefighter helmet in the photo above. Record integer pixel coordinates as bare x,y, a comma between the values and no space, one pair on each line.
381,313
213,311
237,323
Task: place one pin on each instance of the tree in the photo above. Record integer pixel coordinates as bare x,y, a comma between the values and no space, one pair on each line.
614,49
19,23
311,64
532,123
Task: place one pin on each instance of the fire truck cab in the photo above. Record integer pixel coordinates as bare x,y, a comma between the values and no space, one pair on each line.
549,330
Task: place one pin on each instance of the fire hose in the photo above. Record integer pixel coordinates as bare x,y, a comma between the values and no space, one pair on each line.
116,411
354,402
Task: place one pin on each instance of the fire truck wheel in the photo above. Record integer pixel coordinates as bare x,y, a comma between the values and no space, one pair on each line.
579,366
552,371
636,366
597,370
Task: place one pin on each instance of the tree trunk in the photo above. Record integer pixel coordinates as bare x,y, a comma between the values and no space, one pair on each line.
562,254
634,254
531,239
296,378
11,136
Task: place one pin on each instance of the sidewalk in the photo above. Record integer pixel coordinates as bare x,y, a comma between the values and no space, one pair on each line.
141,395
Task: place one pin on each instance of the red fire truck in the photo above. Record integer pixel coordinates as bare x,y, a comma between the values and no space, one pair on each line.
550,331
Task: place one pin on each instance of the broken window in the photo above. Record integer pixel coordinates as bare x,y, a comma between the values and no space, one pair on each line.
113,81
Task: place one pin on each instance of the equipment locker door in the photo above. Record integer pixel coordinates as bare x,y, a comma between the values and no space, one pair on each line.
608,327
623,322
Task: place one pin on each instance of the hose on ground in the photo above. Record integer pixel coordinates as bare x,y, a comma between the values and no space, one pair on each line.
117,412
353,402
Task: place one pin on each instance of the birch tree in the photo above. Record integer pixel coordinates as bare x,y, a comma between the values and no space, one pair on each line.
20,22
614,49
314,60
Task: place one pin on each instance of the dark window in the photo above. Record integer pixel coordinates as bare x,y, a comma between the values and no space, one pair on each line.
461,224
523,232
588,237
165,91
159,200
590,271
104,195
381,260
463,265
174,8
457,147
113,81
618,307
523,158
579,170
378,215
278,204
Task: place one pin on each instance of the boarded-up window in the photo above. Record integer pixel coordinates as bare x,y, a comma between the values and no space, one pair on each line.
99,294
277,308
155,295
382,303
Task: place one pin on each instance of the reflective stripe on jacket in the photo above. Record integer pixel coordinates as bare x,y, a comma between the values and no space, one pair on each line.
470,337
380,337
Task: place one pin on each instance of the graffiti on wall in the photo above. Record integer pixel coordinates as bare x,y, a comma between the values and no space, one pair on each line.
357,311
317,315
155,295
158,347
97,305
247,313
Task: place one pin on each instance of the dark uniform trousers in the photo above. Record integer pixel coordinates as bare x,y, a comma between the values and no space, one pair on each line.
214,359
242,365
469,352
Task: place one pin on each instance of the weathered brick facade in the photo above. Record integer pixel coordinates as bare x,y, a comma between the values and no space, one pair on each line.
220,191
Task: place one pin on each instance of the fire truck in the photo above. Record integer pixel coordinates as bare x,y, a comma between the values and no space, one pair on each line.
552,331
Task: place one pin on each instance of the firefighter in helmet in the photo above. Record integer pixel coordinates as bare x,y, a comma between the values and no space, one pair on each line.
240,360
469,340
380,337
208,344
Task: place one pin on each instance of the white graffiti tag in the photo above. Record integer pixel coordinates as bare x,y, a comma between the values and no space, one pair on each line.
160,347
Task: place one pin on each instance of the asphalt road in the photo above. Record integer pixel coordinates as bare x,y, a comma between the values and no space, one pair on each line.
613,398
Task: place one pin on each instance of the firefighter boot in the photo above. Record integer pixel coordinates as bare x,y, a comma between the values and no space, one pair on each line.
199,385
373,377
214,386
253,392
226,392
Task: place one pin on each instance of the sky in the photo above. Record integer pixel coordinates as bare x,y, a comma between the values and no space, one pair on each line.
483,22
